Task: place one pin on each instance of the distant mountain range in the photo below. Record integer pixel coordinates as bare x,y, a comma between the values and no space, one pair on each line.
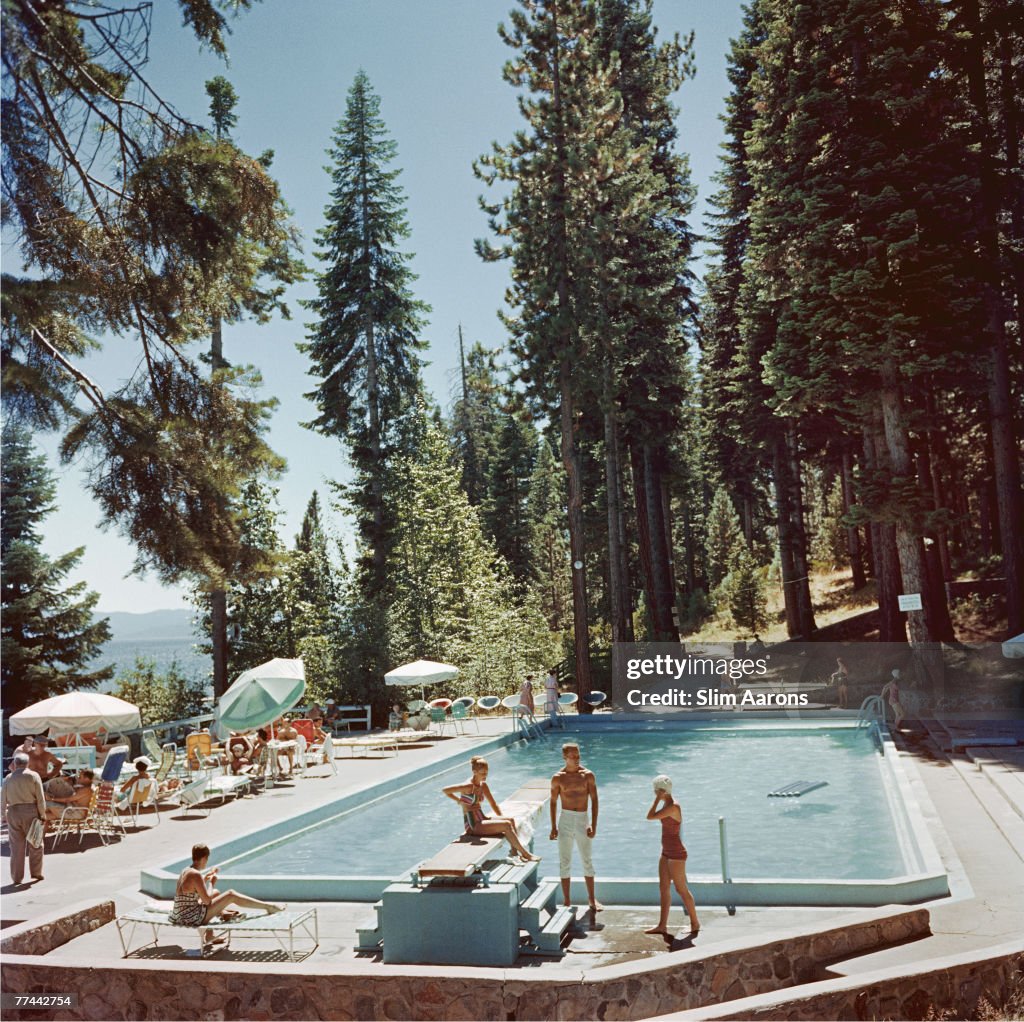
157,625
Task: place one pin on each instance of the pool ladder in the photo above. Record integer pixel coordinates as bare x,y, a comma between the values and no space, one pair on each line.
872,711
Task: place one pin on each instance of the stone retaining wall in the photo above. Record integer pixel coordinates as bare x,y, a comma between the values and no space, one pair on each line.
954,984
40,936
147,989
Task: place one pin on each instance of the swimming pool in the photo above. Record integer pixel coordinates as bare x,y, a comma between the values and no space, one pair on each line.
856,833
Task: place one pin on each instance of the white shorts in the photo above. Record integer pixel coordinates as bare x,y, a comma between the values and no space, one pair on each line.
572,826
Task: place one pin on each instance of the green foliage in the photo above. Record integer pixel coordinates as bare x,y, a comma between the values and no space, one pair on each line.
363,348
549,544
828,545
744,592
160,697
135,224
724,538
454,599
47,634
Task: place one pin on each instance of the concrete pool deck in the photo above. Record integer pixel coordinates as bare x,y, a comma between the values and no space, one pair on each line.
980,841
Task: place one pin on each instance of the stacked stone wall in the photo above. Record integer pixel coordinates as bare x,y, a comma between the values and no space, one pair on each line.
152,989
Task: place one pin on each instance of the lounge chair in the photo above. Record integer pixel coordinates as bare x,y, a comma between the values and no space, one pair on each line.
283,926
198,749
489,703
193,795
74,816
566,702
141,795
440,719
114,763
150,746
461,716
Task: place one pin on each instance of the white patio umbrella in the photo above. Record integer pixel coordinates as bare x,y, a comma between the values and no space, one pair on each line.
421,672
74,713
260,695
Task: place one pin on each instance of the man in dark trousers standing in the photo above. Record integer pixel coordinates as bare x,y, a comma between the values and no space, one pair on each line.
22,803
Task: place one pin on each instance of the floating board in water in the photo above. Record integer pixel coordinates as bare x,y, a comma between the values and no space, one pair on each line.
796,789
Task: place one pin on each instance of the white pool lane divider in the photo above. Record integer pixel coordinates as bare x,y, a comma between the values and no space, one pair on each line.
796,789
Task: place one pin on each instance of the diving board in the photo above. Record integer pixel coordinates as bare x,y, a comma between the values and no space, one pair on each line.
468,903
796,789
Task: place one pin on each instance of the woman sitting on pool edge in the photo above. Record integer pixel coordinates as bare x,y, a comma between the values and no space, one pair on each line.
470,797
197,900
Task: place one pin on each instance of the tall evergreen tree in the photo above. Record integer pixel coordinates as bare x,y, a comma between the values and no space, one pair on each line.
453,593
48,634
363,344
138,224
860,171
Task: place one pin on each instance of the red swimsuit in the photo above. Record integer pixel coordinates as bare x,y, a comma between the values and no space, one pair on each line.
671,846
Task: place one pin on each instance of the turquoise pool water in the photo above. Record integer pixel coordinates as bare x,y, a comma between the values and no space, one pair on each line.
842,831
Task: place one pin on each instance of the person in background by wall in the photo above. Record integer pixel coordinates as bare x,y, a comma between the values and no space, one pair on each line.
526,694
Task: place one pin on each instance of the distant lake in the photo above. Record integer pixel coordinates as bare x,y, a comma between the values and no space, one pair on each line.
163,652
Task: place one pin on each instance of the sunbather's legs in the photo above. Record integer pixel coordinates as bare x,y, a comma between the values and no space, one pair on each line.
502,827
225,899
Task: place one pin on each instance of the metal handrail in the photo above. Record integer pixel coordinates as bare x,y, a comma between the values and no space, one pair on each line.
872,711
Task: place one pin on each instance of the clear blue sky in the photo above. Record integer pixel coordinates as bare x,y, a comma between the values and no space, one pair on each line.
437,68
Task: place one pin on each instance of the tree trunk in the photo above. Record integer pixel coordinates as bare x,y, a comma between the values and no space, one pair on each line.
885,561
651,540
853,547
783,499
625,573
616,585
219,636
1006,456
801,562
923,624
571,461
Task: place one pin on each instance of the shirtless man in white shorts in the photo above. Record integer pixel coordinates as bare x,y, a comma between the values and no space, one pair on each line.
577,788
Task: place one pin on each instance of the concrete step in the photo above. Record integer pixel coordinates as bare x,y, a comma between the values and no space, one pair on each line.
1004,768
370,937
550,938
538,903
993,801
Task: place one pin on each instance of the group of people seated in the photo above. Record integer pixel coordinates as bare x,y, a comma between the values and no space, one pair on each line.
244,751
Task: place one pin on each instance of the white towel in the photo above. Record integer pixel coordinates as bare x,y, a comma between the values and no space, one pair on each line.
35,834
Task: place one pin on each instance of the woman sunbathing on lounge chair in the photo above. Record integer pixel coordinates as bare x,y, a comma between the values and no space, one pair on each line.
197,900
470,797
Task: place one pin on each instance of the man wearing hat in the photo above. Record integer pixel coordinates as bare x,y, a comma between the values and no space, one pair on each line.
22,803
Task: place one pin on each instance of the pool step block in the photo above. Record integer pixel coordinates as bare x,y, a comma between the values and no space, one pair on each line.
545,924
370,939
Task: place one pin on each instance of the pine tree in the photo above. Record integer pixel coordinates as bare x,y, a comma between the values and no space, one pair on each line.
549,544
136,224
454,599
744,593
860,168
724,538
643,298
363,345
48,631
476,418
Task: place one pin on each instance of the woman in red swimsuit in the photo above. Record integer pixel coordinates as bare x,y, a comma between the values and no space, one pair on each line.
672,864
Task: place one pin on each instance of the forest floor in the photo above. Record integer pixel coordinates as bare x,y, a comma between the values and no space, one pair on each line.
975,619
